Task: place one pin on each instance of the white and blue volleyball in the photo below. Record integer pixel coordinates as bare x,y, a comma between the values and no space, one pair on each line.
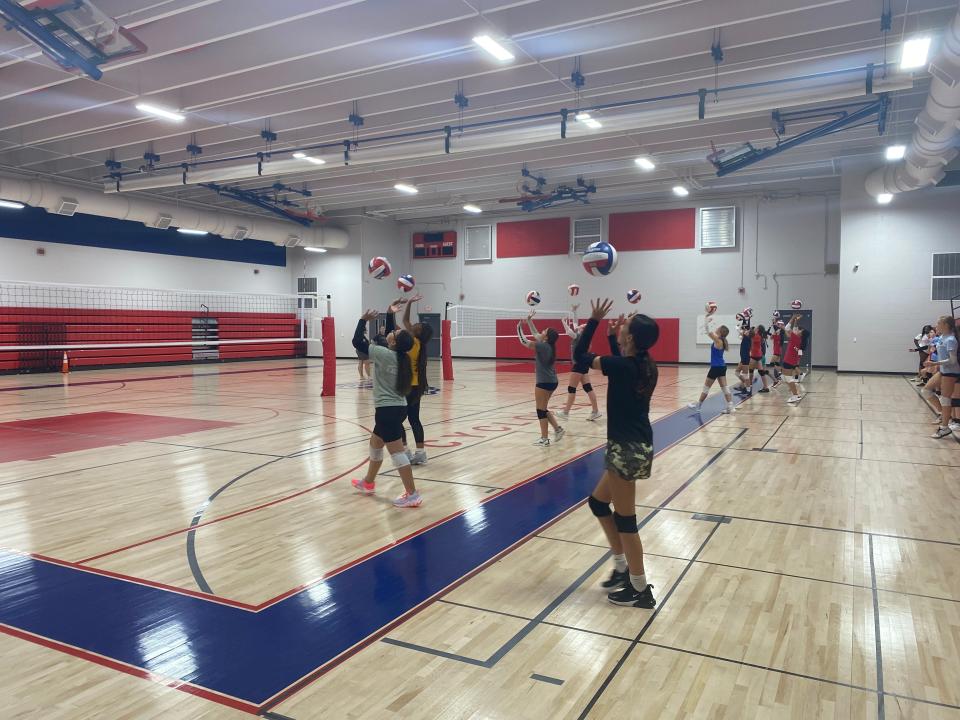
406,283
600,258
379,267
633,296
533,298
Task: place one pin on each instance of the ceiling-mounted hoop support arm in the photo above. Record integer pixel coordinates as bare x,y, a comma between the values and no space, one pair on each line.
563,123
869,82
346,152
702,109
250,198
446,138
259,163
24,22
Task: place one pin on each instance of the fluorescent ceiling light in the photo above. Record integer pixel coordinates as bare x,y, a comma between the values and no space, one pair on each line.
11,205
581,116
493,47
315,160
161,112
895,152
315,249
406,188
914,53
299,155
645,163
472,208
680,190
191,231
884,198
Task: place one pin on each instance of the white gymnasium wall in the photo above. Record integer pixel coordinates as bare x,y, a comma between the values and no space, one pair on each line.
797,235
100,266
887,301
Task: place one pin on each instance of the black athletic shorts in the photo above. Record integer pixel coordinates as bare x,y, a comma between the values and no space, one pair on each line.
583,369
788,366
950,375
388,422
745,357
716,372
549,387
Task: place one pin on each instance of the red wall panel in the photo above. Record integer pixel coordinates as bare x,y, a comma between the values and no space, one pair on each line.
533,238
654,230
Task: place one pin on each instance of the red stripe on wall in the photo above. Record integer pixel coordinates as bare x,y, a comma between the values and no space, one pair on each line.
533,238
667,348
654,230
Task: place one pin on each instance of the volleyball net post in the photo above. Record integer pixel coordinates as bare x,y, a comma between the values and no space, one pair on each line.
446,346
328,336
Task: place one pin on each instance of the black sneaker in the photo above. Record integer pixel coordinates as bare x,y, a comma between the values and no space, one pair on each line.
629,595
764,390
617,579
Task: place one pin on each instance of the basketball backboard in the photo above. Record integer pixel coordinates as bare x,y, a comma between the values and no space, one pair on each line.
75,34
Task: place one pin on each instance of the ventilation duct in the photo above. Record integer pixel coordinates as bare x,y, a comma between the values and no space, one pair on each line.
68,206
50,197
935,136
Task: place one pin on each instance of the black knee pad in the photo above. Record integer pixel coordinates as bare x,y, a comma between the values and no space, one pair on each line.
764,372
587,387
625,523
542,414
571,389
955,402
600,509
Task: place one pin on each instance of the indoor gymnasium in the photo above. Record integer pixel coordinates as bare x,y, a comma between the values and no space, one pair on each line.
479,359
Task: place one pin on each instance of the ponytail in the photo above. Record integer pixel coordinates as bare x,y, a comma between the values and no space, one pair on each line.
403,341
426,334
645,333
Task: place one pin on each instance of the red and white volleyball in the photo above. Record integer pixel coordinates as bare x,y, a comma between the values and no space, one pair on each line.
406,282
574,290
633,296
710,307
796,304
379,267
748,312
533,298
600,258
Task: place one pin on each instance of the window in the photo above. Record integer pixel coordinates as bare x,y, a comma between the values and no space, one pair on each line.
946,276
718,227
479,243
586,231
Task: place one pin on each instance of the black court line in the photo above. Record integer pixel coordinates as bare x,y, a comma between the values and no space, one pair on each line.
646,626
773,433
546,679
269,715
881,711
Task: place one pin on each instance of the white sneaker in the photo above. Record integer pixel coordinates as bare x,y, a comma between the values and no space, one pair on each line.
558,433
728,409
563,415
802,376
954,425
409,454
419,458
941,432
595,416
794,399
693,405
542,442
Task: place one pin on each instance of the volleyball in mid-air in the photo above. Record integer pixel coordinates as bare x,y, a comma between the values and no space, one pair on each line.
748,312
379,267
633,296
776,314
796,304
406,282
600,258
740,317
574,290
710,307
533,298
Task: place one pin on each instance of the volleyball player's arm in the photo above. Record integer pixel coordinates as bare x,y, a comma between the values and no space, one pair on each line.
520,336
568,328
407,325
360,341
581,352
532,327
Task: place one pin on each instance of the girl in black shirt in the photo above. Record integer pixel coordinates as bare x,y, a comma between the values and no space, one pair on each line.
629,455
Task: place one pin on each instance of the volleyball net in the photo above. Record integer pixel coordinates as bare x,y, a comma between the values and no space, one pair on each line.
472,321
100,325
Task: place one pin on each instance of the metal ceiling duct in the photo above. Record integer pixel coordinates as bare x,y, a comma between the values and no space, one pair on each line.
934,140
39,193
521,134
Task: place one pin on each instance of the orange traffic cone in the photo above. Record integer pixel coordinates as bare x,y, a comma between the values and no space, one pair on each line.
65,368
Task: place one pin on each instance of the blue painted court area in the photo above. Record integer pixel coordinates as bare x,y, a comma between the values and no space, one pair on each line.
255,656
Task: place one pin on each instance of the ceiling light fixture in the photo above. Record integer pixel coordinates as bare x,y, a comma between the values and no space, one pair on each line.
645,163
315,160
11,205
680,191
191,231
895,152
315,249
299,155
884,198
587,120
914,53
494,48
406,188
161,112
475,209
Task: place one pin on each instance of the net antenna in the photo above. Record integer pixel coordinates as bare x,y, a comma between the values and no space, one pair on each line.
75,34
473,321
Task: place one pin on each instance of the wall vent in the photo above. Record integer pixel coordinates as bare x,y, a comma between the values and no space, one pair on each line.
240,233
718,227
479,246
586,231
306,285
945,281
68,206
163,221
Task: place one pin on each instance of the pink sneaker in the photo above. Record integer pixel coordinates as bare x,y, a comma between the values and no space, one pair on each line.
408,501
364,487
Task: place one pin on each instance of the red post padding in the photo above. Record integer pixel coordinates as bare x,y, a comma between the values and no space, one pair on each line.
328,336
446,354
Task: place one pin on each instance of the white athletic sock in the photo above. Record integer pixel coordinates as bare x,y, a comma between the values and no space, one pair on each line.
620,562
639,582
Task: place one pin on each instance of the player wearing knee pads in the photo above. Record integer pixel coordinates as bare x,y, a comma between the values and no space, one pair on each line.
718,365
579,372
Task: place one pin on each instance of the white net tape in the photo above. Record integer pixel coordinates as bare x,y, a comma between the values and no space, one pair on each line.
94,316
470,321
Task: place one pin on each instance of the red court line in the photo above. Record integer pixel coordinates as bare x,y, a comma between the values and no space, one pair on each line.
181,685
225,517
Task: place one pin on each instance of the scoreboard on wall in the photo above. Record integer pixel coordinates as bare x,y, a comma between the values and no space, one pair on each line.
428,245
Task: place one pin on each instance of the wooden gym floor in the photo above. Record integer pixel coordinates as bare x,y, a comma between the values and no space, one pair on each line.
184,543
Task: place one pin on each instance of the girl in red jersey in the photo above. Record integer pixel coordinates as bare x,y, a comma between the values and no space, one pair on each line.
791,357
758,348
777,339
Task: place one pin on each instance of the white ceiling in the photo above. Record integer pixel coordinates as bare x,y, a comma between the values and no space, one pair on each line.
236,67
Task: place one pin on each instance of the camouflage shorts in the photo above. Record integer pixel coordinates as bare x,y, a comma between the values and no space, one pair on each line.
630,460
